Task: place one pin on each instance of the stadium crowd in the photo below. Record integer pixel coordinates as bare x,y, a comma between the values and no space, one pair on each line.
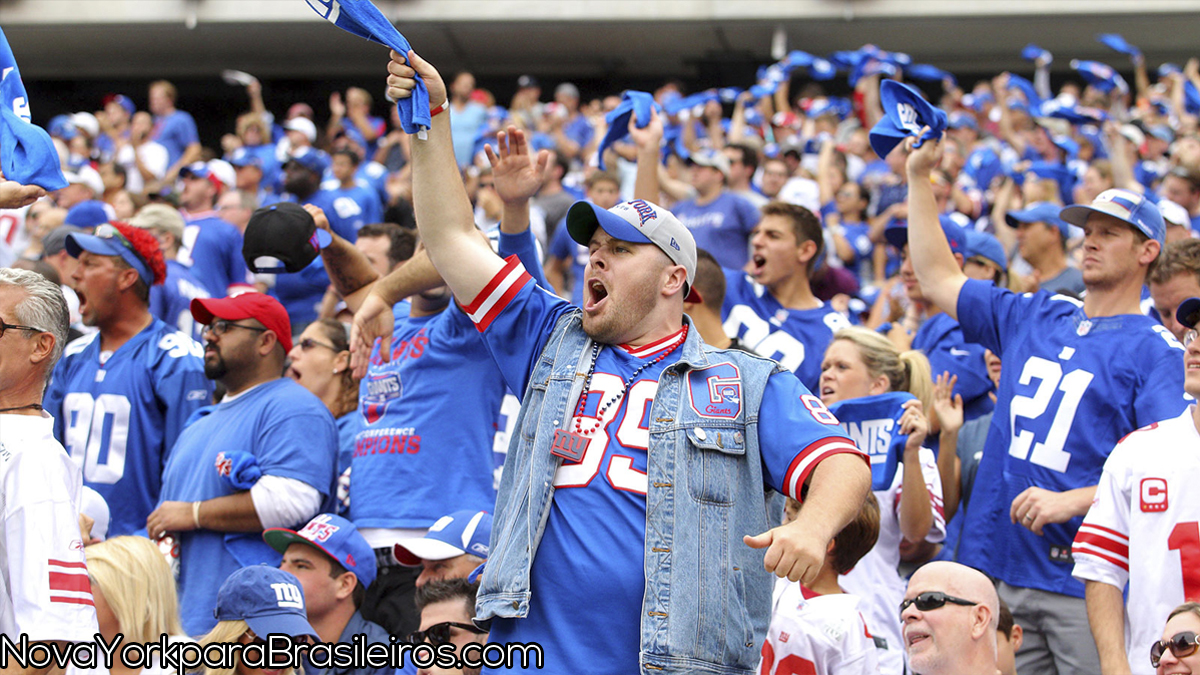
295,350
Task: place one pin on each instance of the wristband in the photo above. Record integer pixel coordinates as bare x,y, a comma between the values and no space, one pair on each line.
196,514
434,112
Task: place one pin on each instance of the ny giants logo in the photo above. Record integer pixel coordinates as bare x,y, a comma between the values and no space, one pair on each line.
319,529
645,211
224,465
288,595
908,117
1153,494
716,391
382,389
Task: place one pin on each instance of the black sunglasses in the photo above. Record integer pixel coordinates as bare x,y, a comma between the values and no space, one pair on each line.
1181,645
439,633
6,326
931,600
308,343
222,326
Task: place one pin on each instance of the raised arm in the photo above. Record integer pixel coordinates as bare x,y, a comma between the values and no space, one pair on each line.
937,271
443,211
649,142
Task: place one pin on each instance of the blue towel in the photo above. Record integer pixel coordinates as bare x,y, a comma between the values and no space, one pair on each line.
1025,87
1100,75
873,422
363,19
928,73
27,153
905,111
240,468
633,103
1032,52
1118,43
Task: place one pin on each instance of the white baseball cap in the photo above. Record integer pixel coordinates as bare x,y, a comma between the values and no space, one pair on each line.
640,222
304,126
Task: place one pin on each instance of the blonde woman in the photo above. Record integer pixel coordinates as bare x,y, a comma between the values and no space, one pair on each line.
878,393
255,602
134,594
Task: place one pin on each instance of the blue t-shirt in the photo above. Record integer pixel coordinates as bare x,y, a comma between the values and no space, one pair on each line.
351,207
175,132
941,339
591,554
579,130
721,227
172,301
464,129
291,434
212,250
119,420
797,338
1071,387
564,247
348,426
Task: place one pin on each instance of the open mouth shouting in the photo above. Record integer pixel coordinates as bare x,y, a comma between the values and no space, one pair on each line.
597,294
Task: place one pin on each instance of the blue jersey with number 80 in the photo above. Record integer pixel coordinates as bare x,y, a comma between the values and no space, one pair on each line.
1070,388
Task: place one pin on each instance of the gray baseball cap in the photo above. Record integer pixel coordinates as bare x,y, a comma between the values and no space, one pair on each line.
640,222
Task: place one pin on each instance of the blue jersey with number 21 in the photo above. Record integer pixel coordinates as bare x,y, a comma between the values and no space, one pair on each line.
1071,387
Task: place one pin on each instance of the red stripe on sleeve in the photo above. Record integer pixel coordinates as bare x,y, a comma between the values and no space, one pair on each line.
64,563
814,454
72,601
1075,550
503,301
1102,542
509,264
67,581
1100,529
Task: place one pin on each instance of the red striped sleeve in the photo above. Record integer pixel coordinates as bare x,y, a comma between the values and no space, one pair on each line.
498,292
69,582
808,459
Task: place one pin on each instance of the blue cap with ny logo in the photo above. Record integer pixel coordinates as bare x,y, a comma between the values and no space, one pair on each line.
267,598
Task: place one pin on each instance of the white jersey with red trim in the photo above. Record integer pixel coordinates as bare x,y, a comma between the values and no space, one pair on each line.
876,579
45,591
814,634
1146,502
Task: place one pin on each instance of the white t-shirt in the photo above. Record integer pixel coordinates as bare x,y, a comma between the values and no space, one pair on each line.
821,634
44,587
875,578
1147,502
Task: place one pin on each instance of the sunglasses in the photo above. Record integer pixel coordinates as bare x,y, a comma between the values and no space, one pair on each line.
110,232
307,344
439,633
931,600
222,326
1181,645
6,326
1189,337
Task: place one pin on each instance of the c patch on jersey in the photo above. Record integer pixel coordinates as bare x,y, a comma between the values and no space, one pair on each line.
1153,495
382,389
716,391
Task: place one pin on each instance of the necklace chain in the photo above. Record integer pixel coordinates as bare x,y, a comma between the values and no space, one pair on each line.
587,383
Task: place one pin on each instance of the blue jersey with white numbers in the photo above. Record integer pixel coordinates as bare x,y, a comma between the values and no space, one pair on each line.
119,419
941,339
212,249
172,301
591,553
1071,387
435,404
291,435
797,338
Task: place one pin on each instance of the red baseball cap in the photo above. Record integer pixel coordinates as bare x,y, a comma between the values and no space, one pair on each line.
263,308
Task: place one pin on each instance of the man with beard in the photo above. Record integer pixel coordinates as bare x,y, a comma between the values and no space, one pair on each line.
633,438
121,396
264,457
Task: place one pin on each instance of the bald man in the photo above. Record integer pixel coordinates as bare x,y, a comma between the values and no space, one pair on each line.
950,615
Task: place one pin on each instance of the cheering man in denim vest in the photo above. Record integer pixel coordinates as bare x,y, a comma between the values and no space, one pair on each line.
631,515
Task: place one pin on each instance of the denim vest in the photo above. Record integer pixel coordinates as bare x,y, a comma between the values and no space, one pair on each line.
707,600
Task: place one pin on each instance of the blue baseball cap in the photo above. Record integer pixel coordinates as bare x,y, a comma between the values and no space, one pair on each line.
310,158
905,112
460,533
984,245
89,214
1188,312
962,120
108,240
897,235
267,598
1040,212
243,157
1124,205
334,536
121,100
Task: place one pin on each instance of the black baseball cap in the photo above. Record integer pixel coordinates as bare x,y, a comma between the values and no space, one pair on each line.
282,238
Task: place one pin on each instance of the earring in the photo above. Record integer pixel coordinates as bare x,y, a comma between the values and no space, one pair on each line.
336,371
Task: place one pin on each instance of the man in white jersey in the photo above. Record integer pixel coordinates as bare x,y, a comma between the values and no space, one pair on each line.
44,589
1145,503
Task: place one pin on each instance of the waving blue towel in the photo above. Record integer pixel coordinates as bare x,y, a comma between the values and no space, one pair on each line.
27,153
873,423
1117,43
905,111
633,103
365,20
1032,52
1101,76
